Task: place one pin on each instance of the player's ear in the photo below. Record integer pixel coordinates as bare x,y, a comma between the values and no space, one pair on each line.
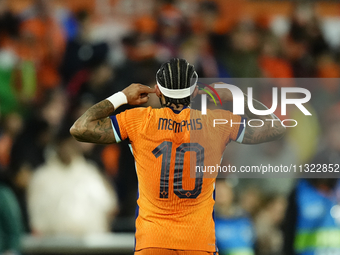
158,92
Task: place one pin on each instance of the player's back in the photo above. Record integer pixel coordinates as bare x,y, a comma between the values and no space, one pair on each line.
175,202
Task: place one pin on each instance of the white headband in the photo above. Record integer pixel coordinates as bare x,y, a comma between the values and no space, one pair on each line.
177,93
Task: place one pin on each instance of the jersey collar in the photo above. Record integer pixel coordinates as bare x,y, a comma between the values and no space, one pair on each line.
177,111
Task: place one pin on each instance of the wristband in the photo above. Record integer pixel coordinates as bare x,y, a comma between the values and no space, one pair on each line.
117,99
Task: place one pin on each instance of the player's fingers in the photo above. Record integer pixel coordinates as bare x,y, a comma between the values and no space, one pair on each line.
144,100
146,89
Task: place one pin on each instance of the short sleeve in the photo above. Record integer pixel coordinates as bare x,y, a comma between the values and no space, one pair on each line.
238,128
125,125
229,126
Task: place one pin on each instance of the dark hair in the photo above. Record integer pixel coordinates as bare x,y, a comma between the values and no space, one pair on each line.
209,6
176,74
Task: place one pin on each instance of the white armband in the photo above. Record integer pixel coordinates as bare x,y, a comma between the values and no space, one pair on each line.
117,99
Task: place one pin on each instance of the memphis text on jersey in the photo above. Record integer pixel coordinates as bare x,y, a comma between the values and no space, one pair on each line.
169,124
196,124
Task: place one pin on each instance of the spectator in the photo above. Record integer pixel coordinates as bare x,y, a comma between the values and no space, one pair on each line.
9,34
297,44
312,219
271,61
234,230
329,152
67,195
43,42
28,153
144,67
241,60
311,224
99,84
198,51
12,126
10,222
81,54
210,23
268,222
172,29
250,199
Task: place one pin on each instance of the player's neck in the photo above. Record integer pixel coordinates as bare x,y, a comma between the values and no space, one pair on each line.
177,108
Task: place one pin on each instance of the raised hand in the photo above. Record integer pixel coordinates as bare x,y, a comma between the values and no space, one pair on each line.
137,93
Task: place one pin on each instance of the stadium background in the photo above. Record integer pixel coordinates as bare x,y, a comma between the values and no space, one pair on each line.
58,57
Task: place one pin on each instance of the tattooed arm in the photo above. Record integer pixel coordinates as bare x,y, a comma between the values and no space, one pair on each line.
94,126
270,131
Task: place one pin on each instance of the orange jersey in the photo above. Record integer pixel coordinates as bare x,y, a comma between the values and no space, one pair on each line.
175,209
157,251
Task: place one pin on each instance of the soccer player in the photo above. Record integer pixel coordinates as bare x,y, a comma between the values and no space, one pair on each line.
174,211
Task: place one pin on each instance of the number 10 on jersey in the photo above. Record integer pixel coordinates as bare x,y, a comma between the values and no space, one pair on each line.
165,149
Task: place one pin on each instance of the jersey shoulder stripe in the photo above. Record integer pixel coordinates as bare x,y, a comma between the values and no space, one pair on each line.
115,128
241,130
127,124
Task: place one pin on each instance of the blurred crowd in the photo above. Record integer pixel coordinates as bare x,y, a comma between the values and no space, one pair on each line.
52,68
